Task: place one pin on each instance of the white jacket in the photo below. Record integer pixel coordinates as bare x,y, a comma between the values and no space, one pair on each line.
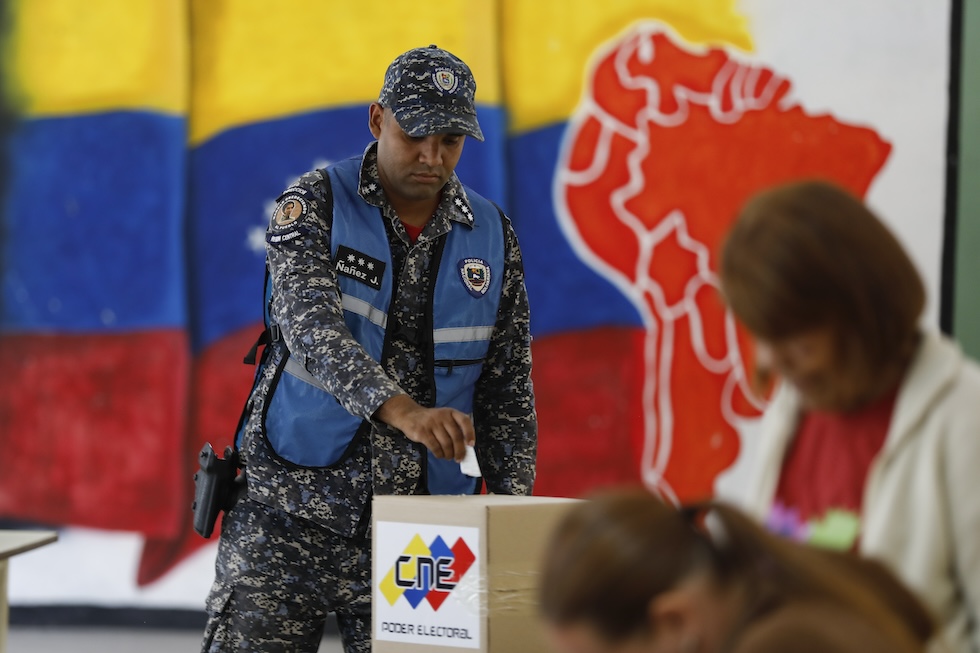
921,506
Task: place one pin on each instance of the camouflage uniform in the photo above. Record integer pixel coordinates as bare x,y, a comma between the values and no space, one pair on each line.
298,546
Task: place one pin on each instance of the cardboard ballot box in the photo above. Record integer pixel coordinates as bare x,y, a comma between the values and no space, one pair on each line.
459,572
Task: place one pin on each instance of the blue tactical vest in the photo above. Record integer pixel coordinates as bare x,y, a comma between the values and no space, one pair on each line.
305,424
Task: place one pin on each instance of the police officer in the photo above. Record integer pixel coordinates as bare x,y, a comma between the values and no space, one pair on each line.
399,347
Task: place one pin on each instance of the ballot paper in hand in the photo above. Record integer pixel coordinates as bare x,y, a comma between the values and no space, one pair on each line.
469,464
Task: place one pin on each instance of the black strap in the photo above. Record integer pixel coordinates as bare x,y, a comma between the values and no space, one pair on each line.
268,336
327,190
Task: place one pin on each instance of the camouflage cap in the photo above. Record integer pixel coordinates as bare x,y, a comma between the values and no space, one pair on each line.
430,91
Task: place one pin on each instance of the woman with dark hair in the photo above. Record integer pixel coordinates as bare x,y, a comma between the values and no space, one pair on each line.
625,572
871,441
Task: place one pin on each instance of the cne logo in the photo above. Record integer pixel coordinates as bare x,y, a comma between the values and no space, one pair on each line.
427,572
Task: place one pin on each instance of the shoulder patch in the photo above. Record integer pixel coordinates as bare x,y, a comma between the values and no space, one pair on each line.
291,208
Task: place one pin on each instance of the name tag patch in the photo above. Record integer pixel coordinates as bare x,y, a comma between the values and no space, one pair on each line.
475,273
360,267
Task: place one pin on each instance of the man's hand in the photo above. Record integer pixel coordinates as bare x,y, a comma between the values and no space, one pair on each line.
444,431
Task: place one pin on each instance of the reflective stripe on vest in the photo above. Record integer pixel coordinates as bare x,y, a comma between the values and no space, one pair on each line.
461,334
364,309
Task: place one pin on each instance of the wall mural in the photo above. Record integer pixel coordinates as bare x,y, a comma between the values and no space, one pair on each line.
152,139
632,197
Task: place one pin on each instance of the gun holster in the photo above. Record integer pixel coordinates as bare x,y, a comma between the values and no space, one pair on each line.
217,487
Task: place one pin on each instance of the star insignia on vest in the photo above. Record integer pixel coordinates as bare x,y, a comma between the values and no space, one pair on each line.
475,273
463,207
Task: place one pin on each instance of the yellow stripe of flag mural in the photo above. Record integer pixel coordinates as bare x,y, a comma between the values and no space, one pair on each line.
252,64
82,56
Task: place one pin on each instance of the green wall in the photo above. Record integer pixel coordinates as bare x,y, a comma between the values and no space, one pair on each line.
966,290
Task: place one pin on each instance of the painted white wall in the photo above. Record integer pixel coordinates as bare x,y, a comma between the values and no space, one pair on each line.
884,64
93,567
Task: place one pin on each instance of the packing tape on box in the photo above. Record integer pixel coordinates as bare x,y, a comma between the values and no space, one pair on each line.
506,591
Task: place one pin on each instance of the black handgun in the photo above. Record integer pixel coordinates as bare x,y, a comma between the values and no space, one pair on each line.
215,487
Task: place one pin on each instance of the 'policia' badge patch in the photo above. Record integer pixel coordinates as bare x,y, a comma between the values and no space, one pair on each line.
475,273
360,267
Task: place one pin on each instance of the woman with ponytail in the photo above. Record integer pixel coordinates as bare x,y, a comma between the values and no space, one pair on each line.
625,572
